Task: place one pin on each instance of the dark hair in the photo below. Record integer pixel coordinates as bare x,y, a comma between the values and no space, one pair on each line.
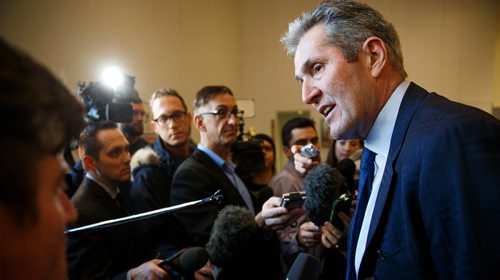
204,95
262,136
38,117
331,158
347,26
298,122
167,92
88,138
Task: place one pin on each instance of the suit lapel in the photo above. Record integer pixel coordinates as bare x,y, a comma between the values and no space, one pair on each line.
224,184
106,200
409,105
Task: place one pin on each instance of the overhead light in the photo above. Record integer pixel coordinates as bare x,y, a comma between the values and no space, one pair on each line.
113,77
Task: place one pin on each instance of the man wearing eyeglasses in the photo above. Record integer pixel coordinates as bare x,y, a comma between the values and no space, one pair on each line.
154,166
210,169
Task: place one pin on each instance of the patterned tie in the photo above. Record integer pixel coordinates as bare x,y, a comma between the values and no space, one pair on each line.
364,191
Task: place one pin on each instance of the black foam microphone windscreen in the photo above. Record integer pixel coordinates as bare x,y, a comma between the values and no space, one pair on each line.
322,186
184,263
232,236
305,267
193,259
347,168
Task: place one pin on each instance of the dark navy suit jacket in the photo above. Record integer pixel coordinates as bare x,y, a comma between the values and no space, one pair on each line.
103,253
437,214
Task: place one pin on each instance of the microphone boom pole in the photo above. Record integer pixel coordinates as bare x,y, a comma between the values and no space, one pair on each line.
216,197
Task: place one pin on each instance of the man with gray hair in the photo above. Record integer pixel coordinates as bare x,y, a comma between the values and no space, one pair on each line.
418,216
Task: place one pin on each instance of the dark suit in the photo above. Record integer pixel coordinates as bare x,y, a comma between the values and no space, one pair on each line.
102,253
196,178
199,177
436,214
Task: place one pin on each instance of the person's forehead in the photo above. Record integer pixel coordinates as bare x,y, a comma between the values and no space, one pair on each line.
138,106
312,40
303,133
111,138
224,99
167,103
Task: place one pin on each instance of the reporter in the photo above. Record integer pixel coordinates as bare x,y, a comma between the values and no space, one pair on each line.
275,217
38,117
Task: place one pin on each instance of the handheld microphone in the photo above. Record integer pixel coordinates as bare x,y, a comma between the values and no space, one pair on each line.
232,236
347,168
305,267
239,249
185,262
322,186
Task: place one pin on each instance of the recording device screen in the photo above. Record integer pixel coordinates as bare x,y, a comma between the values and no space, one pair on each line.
293,199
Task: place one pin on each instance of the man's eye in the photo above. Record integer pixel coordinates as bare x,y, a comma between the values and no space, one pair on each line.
222,112
317,69
115,153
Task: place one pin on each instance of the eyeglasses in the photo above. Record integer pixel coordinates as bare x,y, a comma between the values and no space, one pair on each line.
224,113
176,116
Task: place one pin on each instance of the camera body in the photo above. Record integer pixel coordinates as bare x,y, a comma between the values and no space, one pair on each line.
293,199
248,157
106,103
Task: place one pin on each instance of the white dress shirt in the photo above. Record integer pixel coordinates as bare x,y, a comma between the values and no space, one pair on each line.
379,141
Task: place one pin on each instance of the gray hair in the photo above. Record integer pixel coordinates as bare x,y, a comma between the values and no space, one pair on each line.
347,26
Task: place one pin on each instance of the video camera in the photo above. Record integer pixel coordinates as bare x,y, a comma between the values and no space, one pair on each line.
104,102
247,153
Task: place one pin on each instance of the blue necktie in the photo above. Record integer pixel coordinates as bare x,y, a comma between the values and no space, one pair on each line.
364,191
245,194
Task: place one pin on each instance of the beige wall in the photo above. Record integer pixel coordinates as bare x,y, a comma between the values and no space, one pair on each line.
496,72
451,47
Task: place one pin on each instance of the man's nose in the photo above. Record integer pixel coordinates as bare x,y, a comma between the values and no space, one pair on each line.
309,92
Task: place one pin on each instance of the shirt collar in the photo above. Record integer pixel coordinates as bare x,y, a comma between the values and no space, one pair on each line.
379,137
215,157
113,192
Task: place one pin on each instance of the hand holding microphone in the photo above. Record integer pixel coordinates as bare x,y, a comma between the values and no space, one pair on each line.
309,234
325,206
305,157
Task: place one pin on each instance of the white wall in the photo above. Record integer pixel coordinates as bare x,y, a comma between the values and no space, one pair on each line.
449,46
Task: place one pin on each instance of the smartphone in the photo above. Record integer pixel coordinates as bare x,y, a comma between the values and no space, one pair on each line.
309,151
341,204
293,199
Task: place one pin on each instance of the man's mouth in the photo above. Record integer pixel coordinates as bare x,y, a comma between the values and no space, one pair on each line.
326,109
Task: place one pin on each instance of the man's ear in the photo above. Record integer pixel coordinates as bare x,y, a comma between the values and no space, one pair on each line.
199,123
376,55
89,163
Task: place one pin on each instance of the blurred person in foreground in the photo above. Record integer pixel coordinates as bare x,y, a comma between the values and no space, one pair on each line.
418,216
39,116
